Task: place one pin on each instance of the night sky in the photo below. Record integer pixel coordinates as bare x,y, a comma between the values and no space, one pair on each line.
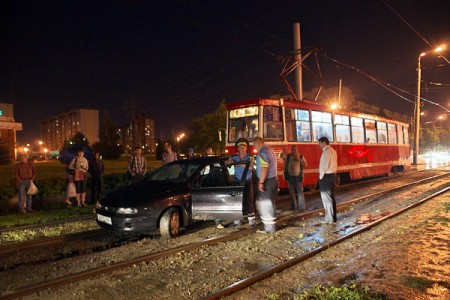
178,59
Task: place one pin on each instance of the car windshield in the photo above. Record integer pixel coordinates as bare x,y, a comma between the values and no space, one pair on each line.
176,173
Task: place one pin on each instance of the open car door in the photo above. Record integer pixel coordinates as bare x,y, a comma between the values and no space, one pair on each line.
218,195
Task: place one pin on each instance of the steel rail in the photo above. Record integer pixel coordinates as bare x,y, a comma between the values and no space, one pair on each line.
121,265
165,253
244,283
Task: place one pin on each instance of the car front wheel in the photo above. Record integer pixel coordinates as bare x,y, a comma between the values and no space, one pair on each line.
169,225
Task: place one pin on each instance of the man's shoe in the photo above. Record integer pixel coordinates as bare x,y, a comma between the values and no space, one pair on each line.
263,231
220,226
323,221
31,211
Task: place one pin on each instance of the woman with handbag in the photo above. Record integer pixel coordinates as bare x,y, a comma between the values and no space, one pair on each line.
79,166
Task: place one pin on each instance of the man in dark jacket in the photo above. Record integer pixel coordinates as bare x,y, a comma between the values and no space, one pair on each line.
96,168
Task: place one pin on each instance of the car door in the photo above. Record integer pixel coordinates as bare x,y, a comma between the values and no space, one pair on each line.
217,195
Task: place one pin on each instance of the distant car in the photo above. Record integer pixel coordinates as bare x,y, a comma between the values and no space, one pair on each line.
174,196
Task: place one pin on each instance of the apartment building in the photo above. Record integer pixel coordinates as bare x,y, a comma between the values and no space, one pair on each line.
58,129
140,131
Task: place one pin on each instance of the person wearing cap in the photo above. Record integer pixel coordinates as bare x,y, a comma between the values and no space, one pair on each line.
168,155
137,166
242,157
190,153
266,170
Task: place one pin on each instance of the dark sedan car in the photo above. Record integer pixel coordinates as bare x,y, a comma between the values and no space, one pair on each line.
174,196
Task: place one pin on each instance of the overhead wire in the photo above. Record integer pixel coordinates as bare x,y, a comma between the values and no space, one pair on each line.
412,28
384,84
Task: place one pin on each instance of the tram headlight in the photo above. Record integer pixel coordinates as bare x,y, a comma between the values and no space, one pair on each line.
127,210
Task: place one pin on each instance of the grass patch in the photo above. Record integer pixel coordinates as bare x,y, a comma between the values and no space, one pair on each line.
17,236
418,283
42,217
441,220
54,168
351,291
446,207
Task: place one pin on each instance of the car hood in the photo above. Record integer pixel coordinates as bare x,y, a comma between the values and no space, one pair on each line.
142,194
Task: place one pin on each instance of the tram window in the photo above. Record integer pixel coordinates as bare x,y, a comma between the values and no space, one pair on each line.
298,128
382,132
322,126
371,132
342,128
392,133
357,130
405,135
273,123
400,134
243,123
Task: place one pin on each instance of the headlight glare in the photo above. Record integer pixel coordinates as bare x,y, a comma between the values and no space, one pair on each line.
127,210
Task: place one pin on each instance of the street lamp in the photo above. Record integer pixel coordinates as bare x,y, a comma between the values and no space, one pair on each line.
417,112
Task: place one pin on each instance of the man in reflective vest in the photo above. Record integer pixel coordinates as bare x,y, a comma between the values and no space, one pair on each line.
266,170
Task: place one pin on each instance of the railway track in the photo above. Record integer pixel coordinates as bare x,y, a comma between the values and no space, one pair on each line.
87,242
22,291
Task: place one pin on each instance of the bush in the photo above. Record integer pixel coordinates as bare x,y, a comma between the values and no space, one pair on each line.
50,187
112,182
6,193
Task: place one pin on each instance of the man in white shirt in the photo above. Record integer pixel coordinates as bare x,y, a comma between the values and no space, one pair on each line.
327,177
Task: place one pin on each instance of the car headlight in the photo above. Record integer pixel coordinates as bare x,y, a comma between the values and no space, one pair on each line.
127,210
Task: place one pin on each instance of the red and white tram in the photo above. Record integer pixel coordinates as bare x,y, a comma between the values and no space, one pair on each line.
367,145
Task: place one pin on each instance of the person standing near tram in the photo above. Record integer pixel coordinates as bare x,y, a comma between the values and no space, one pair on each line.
327,177
266,170
249,200
295,163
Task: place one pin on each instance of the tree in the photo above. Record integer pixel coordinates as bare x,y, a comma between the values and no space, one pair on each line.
108,144
430,138
445,137
204,131
77,139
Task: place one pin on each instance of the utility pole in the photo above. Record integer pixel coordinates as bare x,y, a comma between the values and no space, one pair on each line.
340,91
417,115
298,58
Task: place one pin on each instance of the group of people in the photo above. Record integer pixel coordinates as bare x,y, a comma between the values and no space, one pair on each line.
257,198
263,199
76,171
77,178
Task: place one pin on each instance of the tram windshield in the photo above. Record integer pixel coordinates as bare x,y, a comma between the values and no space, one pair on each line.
243,123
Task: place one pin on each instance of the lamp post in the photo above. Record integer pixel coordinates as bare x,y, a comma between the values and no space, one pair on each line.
417,110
